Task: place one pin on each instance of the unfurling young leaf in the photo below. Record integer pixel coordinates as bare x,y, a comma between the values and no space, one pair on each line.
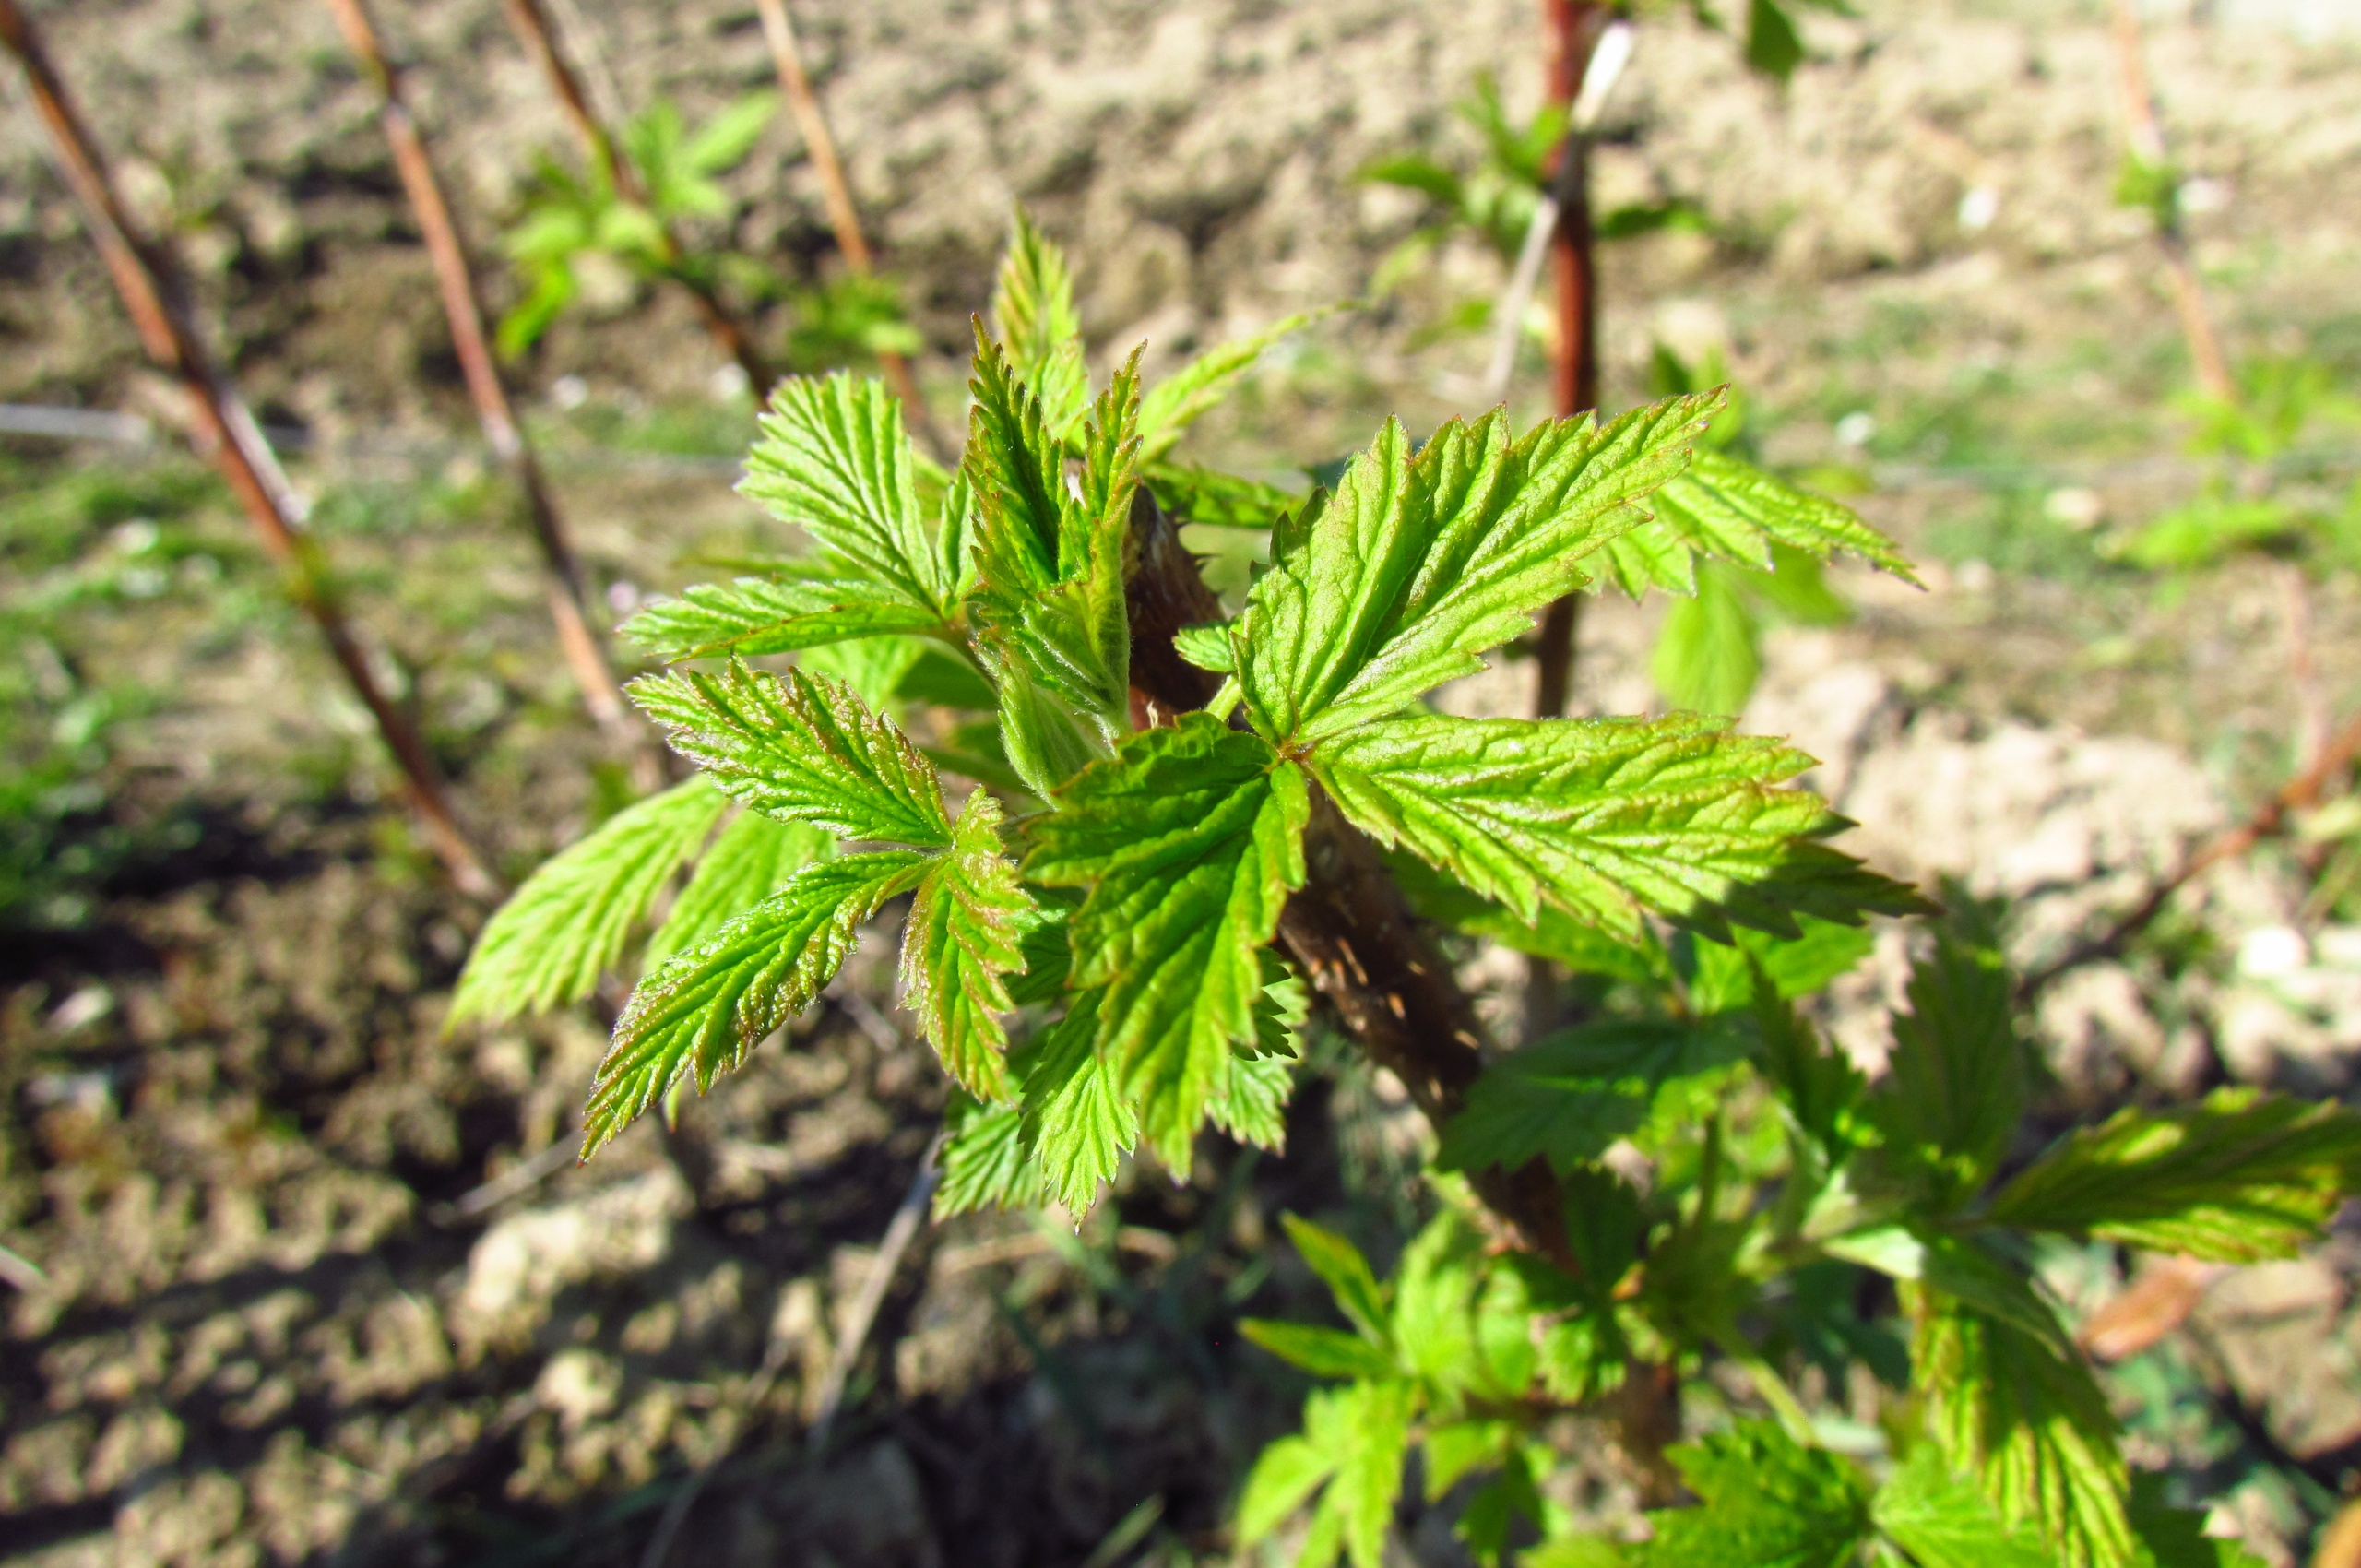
834,460
1051,558
567,926
961,938
1033,314
2238,1179
706,1009
802,749
1189,841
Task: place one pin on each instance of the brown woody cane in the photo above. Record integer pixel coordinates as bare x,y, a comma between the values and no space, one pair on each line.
154,290
728,332
787,59
569,594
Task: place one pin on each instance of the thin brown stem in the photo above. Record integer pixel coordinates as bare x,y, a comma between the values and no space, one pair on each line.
844,218
2271,820
2314,720
2143,135
730,334
569,592
154,291
1573,28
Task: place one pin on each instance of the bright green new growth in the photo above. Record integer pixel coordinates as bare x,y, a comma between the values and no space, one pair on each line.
1090,946
2020,1463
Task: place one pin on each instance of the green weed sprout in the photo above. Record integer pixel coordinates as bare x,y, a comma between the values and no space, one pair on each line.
568,218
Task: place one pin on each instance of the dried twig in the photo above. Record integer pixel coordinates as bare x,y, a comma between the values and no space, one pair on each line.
2271,820
20,1272
569,592
597,140
758,1389
154,290
2150,1307
899,1234
787,59
517,1179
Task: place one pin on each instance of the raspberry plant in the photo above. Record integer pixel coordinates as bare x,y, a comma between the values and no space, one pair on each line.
1188,837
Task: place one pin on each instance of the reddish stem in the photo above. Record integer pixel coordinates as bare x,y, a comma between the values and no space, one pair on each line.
569,595
154,290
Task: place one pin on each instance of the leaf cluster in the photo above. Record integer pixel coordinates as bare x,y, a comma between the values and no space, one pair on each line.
1778,1165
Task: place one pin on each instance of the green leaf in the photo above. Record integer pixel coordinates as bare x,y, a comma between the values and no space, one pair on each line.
1956,1086
1050,603
1723,508
1077,1123
1188,394
802,749
706,1009
1607,818
1773,46
2031,1426
1817,1087
889,672
833,459
2237,1179
1708,652
1212,499
1462,1328
1207,646
2175,1537
1323,1352
750,860
1353,1442
1767,1502
1724,978
1963,1269
1251,1103
1369,1431
1283,1480
961,937
1943,1521
753,616
1418,565
985,1162
1347,1274
1551,934
725,140
567,926
1189,841
1577,1551
1567,1097
1032,312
